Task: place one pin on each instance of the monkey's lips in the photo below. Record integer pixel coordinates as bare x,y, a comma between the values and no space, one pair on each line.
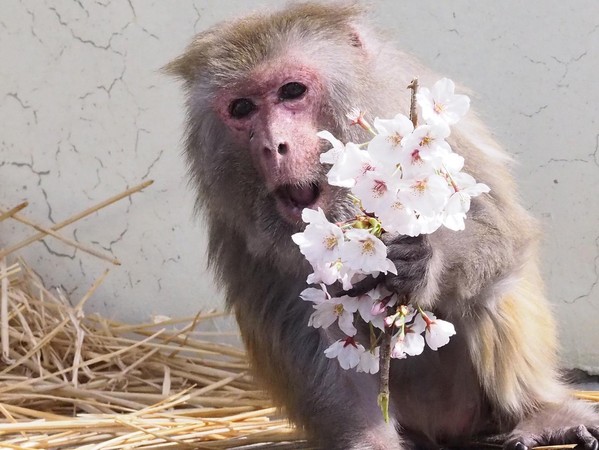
293,198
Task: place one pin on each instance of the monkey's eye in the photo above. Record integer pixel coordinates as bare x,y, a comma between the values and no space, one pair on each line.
292,91
240,108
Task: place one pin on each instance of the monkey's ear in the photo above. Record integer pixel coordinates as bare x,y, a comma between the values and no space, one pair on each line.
355,39
362,36
178,67
195,58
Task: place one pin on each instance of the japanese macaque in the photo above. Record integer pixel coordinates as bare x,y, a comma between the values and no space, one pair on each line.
258,90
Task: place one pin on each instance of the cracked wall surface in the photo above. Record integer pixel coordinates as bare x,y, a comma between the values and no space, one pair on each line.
85,113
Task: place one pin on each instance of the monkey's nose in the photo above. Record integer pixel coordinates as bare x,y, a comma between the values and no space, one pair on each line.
282,149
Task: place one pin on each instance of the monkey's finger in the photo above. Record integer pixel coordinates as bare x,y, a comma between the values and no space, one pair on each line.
409,253
522,442
393,239
364,286
580,436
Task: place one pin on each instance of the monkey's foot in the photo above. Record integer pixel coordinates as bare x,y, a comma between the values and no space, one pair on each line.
585,438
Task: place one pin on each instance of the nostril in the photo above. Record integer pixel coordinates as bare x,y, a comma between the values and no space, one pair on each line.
282,149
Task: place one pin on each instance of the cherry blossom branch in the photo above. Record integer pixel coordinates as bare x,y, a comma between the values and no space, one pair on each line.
385,352
413,112
385,364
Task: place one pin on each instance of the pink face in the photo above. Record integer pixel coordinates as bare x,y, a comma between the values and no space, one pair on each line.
273,114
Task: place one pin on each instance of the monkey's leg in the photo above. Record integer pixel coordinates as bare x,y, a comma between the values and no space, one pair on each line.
573,422
356,423
338,408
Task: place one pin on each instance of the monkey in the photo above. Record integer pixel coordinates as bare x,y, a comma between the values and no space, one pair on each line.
258,90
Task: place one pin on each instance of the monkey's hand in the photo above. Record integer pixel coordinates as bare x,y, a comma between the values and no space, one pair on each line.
411,257
585,438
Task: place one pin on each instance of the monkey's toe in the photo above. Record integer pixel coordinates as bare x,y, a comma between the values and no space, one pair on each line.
582,437
522,442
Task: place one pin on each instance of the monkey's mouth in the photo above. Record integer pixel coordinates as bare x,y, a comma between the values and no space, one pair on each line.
293,198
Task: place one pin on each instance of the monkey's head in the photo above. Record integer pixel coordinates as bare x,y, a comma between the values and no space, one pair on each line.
259,89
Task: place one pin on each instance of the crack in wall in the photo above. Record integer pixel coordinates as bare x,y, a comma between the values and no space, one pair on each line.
538,111
595,154
595,282
108,247
536,62
29,165
139,130
91,42
57,253
31,29
561,160
566,65
199,16
25,106
152,164
132,8
108,89
82,7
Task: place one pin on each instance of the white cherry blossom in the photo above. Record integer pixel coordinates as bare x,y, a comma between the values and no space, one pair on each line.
386,146
426,150
339,309
441,103
366,252
331,156
347,351
352,164
376,190
459,202
426,195
369,361
372,306
437,331
396,129
409,343
397,218
331,272
321,240
315,295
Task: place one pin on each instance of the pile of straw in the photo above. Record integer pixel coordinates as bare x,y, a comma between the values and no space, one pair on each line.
69,381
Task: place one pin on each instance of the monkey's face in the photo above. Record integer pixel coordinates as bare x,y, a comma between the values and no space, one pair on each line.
275,114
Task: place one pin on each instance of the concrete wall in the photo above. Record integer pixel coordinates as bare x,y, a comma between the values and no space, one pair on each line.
85,113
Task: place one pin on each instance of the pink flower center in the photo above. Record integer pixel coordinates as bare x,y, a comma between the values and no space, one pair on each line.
350,341
330,242
366,168
425,141
439,107
416,159
395,139
379,188
368,247
419,187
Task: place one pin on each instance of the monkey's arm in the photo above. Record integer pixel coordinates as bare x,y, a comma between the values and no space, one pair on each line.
459,264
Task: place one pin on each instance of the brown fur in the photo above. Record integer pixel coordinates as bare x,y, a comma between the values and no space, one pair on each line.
497,375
